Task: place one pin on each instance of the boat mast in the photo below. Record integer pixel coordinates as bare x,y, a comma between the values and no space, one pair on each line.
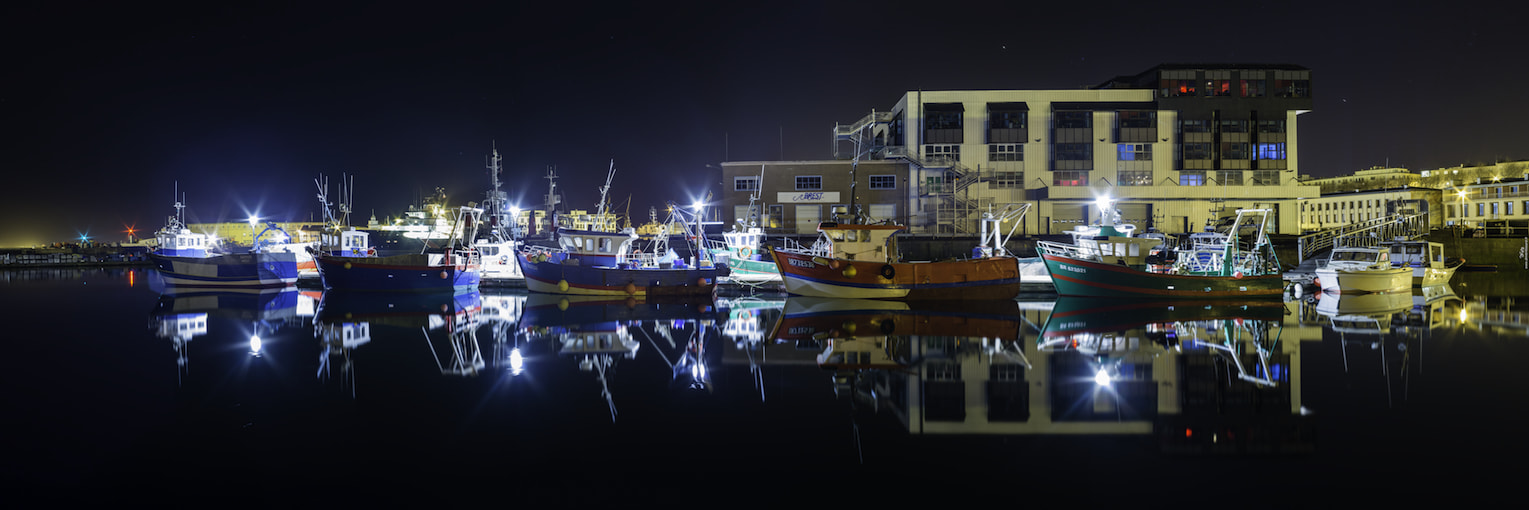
600,211
494,206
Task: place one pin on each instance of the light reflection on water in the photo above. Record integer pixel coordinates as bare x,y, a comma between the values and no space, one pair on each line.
770,378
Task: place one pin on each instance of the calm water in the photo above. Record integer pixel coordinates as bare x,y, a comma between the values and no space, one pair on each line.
114,386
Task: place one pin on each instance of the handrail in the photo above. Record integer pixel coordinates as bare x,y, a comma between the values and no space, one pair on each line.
1382,228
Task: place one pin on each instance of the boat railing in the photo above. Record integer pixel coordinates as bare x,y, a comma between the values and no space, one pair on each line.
819,248
1066,250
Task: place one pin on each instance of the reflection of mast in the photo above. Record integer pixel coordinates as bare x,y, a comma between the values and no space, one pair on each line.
341,338
467,357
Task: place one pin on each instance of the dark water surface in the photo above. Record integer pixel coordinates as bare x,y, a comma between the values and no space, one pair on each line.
116,389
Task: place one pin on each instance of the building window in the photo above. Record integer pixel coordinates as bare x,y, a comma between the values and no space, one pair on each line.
1271,151
745,184
809,182
1229,177
1194,126
1234,126
1137,119
1008,180
1292,84
1507,208
1134,178
1219,87
1266,177
1177,87
1069,178
999,119
1192,178
883,182
1481,209
1134,151
1005,152
1075,152
1197,151
1254,88
1235,150
1071,120
950,152
772,219
942,119
1494,209
1271,126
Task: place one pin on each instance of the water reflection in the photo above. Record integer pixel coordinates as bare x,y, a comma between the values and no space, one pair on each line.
448,322
597,332
181,315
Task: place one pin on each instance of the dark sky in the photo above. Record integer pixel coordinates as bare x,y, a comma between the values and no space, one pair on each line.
111,104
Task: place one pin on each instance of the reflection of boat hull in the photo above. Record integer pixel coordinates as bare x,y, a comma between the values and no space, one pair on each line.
806,318
1076,277
397,273
1072,315
1343,281
974,279
252,270
549,310
252,304
395,309
1364,304
555,277
1429,276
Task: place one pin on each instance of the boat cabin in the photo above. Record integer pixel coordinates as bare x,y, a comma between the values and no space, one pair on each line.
597,248
871,243
1359,258
181,242
349,243
1416,254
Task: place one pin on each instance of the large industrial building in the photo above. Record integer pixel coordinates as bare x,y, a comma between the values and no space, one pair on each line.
1178,146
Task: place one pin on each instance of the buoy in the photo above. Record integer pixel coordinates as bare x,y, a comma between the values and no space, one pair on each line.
700,282
833,263
443,275
562,285
1237,275
631,302
347,265
443,308
562,305
631,289
849,272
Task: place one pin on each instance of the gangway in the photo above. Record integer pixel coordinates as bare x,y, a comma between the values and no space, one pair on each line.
1386,227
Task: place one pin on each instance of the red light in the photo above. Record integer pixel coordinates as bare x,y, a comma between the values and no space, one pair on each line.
1189,432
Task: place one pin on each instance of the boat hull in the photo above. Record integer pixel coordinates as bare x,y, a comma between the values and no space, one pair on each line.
398,273
552,276
239,270
1432,276
1075,277
985,278
1343,281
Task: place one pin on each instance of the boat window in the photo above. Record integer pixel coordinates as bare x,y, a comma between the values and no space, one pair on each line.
1414,250
865,235
837,235
605,244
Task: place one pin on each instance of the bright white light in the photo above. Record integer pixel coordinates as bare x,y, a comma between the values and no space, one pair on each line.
254,219
517,362
698,205
1104,202
255,344
1102,377
515,211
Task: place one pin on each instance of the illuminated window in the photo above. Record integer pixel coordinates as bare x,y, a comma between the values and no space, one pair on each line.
1271,151
1134,152
1196,178
809,182
883,182
1069,178
1134,178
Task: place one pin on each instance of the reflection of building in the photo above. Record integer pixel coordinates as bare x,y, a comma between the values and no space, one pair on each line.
1222,383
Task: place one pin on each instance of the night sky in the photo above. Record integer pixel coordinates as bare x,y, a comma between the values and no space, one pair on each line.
111,104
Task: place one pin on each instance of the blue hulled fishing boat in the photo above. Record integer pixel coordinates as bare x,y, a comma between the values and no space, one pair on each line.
184,259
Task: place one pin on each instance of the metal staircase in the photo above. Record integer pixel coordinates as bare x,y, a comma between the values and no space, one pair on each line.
1384,228
954,206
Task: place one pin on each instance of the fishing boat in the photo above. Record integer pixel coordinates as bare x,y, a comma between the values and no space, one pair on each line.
186,259
454,266
497,242
741,250
1426,259
606,263
852,260
1115,263
1357,265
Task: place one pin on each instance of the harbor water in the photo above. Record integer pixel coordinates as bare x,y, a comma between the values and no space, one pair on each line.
120,390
